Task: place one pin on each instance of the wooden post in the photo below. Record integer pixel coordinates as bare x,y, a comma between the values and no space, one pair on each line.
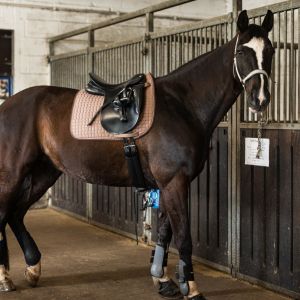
236,7
149,22
91,44
148,42
234,165
90,68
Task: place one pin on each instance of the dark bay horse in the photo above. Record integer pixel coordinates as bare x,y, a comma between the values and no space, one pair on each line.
36,146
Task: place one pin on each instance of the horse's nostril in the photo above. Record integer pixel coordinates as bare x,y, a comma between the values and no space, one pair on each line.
264,102
255,102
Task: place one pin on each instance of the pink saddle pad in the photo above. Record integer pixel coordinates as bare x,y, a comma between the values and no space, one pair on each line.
86,105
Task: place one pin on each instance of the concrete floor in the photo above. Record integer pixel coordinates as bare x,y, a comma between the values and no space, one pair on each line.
81,261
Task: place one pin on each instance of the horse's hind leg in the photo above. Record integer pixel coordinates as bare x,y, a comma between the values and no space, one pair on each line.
29,247
6,284
167,287
6,196
175,201
36,184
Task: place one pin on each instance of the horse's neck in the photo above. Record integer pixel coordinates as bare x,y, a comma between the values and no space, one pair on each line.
206,86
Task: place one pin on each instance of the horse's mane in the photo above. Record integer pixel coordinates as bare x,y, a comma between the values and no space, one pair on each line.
253,30
195,61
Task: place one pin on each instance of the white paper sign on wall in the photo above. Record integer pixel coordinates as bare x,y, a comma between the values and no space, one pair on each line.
251,152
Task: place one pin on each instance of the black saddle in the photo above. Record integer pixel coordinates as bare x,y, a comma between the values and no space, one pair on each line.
122,103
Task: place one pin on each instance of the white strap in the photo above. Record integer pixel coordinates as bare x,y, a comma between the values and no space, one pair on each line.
254,72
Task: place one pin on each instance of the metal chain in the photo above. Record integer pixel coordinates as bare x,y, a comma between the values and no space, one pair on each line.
261,123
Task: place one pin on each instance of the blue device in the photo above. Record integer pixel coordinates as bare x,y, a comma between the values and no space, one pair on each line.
154,196
151,199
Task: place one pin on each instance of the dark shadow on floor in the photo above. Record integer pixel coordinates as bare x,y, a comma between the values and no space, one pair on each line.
94,277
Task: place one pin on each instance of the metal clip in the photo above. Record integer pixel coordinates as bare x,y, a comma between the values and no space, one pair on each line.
129,147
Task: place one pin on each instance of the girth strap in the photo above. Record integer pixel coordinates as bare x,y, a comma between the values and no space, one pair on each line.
134,164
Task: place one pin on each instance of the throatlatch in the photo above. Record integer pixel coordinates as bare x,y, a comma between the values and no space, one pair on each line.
159,260
184,274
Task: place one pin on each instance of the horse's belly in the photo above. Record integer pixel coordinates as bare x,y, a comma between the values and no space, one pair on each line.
94,162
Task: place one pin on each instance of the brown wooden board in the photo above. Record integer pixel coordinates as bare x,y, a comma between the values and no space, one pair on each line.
270,210
114,207
69,194
209,204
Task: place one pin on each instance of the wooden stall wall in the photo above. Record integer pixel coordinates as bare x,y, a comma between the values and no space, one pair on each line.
68,193
270,212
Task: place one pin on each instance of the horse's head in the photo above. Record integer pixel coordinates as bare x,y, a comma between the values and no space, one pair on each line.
253,59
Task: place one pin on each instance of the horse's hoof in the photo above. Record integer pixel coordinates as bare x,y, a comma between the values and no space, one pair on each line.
169,290
32,274
7,286
197,297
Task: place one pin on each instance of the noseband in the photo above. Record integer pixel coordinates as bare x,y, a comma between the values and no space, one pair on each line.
251,74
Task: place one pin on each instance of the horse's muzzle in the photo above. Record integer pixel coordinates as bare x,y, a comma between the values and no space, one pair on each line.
258,105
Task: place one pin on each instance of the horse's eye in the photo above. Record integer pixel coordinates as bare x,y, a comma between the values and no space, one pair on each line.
240,52
270,50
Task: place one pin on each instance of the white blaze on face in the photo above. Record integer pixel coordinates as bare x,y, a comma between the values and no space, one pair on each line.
258,44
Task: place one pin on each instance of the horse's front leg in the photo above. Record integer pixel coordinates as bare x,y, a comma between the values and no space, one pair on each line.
174,197
159,271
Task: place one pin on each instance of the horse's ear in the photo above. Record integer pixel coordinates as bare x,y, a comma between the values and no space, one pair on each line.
243,21
268,21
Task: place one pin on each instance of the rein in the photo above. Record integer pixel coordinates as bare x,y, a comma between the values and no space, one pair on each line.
251,74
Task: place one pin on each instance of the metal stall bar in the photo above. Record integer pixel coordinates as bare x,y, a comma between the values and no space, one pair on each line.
129,16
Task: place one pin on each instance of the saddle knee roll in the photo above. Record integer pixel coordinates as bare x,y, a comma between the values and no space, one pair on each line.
184,274
159,260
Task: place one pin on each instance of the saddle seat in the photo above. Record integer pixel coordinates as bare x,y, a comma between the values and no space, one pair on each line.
123,102
98,86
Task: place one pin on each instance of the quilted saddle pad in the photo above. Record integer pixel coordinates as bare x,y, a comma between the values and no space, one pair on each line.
86,105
